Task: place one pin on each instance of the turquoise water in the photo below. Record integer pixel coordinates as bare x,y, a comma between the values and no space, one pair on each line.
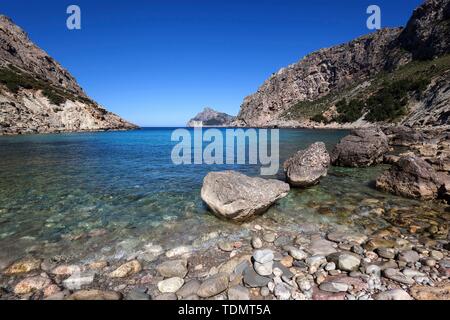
58,191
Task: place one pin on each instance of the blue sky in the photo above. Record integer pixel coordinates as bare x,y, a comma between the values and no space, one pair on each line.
158,63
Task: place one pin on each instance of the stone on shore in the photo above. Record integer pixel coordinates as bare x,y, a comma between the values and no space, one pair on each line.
394,294
362,148
77,280
213,286
173,268
170,285
238,293
95,295
127,269
345,261
235,196
306,167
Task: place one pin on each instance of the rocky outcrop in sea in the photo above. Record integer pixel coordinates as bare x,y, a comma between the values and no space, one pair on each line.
210,118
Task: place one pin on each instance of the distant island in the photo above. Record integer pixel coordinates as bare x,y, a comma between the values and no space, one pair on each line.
211,118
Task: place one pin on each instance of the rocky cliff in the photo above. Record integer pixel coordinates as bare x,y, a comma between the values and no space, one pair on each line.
38,95
212,118
349,85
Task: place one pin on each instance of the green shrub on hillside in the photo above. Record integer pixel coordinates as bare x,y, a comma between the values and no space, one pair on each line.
14,79
390,102
319,118
349,111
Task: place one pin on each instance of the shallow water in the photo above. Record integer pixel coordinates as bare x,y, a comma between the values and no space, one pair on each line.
91,194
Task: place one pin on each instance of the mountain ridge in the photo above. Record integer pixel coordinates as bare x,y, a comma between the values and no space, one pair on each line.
351,66
37,95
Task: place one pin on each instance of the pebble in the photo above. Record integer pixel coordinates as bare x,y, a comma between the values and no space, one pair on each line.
287,261
178,251
95,295
436,255
304,284
127,269
137,295
31,284
213,286
238,293
166,297
373,270
189,288
254,280
330,266
321,247
173,268
170,285
430,262
77,280
23,266
395,294
265,291
296,253
387,253
396,275
264,269
345,261
334,287
282,291
263,256
226,246
269,237
66,270
257,243
408,256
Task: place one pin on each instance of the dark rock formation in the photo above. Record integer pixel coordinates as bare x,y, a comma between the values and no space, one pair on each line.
411,177
306,167
362,148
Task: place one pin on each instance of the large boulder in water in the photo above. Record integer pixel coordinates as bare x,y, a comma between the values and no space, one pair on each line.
412,177
233,195
306,167
362,148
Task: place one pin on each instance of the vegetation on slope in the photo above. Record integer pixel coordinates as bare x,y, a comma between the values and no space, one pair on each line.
385,99
15,80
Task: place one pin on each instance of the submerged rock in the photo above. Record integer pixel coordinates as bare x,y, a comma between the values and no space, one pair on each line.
306,167
31,284
173,268
126,269
233,195
95,295
362,148
23,266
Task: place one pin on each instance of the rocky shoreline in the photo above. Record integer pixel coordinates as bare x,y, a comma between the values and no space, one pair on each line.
405,261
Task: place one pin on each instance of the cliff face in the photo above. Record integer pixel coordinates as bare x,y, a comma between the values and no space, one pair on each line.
312,86
38,95
212,118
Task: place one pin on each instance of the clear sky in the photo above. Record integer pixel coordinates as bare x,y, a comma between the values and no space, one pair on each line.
159,62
